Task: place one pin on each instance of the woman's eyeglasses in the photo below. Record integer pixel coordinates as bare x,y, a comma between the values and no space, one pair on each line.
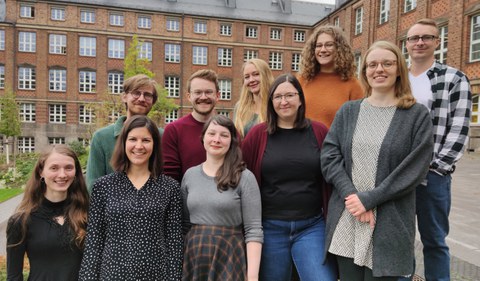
386,64
287,96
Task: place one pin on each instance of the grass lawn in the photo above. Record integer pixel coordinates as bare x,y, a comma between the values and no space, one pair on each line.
6,194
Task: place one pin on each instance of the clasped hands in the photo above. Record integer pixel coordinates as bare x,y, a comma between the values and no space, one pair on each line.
356,208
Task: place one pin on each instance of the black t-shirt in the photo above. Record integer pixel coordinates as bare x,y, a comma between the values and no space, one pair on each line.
291,175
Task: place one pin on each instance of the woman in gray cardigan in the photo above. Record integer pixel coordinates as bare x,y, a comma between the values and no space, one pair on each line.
376,153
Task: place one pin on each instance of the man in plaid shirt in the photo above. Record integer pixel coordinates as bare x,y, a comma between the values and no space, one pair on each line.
445,91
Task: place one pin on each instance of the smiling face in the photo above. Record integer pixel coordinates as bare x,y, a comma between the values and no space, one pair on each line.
286,102
420,50
251,78
139,147
381,70
325,51
217,140
138,106
58,173
203,96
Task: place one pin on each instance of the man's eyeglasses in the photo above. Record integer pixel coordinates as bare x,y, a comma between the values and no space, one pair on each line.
328,45
386,64
146,95
287,96
425,38
199,93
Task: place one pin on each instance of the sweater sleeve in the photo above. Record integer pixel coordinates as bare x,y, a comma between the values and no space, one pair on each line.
96,162
186,225
171,156
173,234
15,254
251,209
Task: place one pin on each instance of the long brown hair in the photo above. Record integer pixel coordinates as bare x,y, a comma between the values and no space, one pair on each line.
77,196
229,174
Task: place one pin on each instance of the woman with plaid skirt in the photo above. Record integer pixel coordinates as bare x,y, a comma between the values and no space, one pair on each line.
222,211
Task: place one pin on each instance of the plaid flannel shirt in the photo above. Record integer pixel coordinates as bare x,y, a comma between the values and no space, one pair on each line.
450,110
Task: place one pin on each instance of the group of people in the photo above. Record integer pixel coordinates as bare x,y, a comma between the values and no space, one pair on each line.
317,176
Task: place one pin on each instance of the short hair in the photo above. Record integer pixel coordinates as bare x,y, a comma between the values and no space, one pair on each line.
120,161
301,121
139,81
206,74
403,90
344,60
427,21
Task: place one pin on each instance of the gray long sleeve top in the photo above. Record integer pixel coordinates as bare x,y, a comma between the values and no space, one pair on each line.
203,204
402,165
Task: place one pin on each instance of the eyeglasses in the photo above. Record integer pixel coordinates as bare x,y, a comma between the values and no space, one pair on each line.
199,93
386,64
425,38
328,45
287,96
146,95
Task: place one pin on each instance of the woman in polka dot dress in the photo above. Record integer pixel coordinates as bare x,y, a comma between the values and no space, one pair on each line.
134,222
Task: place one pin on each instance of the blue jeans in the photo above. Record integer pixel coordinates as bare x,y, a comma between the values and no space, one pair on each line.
300,242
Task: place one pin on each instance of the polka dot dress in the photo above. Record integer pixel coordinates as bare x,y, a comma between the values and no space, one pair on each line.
133,234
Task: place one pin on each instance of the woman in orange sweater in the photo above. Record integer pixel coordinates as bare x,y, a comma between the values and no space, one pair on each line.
327,74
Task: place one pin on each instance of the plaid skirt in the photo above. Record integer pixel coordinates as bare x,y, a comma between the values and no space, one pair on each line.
214,253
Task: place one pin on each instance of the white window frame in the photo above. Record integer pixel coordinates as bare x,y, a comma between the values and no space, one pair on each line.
57,44
57,113
172,52
113,116
251,31
27,112
86,114
144,22
57,13
2,39
336,21
87,16
225,113
57,80
26,144
475,109
442,49
358,20
172,85
403,48
56,140
145,50
296,57
275,60
115,82
27,41
225,29
409,5
171,116
384,11
2,76
87,46
225,89
358,62
475,39
225,56
275,33
173,24
200,27
87,81
26,78
299,35
250,54
27,11
199,55
116,48
116,19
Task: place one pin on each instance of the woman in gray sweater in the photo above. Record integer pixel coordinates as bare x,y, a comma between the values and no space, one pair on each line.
375,155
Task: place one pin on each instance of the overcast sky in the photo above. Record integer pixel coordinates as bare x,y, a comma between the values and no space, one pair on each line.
320,1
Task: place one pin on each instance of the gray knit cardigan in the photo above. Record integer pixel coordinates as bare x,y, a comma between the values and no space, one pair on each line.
403,163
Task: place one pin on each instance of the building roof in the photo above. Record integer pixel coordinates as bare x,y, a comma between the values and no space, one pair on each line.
294,12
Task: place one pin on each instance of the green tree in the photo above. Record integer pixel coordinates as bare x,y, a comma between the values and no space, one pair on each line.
10,119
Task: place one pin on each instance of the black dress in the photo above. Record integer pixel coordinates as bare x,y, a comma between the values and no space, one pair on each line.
50,247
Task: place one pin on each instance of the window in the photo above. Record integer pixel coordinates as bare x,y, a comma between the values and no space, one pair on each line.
225,56
251,32
171,116
2,39
275,60
275,34
172,52
225,113
57,44
87,81
27,41
144,22
200,27
26,144
405,51
250,54
172,85
2,76
58,140
116,19
27,11
226,29
299,36
57,80
115,82
26,78
88,46
116,48
410,5
441,51
475,109
475,39
57,113
85,142
358,20
85,114
27,112
87,16
336,22
358,62
384,11
225,89
295,61
200,55
173,24
57,13
114,115
145,50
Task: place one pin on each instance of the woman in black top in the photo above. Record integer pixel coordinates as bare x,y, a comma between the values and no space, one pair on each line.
50,222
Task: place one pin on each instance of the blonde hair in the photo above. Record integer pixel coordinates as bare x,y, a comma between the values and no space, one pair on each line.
403,90
244,108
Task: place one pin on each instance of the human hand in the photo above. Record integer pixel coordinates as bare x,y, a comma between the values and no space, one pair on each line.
354,205
367,217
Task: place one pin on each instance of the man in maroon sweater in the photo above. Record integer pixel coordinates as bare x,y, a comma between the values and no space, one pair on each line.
181,143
